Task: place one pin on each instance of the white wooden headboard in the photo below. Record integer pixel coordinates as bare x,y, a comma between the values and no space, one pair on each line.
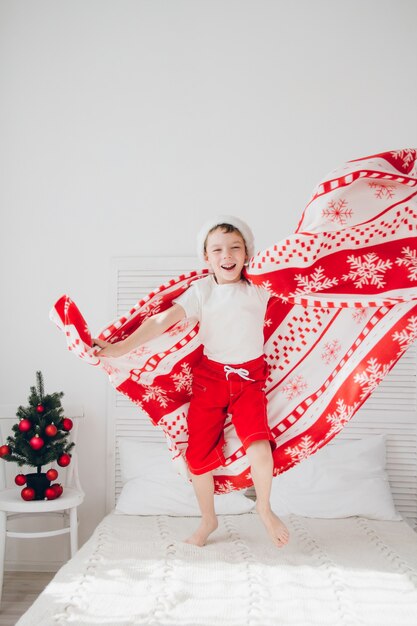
391,410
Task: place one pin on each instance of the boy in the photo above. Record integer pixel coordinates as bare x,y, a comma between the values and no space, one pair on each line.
231,374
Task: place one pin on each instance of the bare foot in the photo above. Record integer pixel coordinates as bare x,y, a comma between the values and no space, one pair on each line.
275,527
207,526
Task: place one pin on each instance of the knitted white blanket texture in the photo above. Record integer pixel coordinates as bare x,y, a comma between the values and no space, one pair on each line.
137,570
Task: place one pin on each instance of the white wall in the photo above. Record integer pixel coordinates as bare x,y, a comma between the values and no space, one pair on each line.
125,124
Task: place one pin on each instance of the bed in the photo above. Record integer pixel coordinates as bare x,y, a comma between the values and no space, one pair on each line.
135,570
342,569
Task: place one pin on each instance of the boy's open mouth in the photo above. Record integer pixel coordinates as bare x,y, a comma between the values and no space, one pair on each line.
229,267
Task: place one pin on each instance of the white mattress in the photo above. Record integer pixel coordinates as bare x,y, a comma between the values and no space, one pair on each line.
136,570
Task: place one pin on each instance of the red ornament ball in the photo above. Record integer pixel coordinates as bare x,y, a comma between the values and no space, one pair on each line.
24,425
64,460
40,408
58,489
51,430
36,442
5,450
20,480
52,474
28,493
50,493
67,424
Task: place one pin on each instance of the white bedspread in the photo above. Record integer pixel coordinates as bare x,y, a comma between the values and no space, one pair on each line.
136,570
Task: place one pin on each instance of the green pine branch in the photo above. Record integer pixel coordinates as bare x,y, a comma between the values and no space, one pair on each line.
39,385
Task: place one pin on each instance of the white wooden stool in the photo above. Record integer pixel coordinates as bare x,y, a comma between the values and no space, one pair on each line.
12,505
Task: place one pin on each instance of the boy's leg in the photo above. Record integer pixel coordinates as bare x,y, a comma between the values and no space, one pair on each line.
204,490
260,457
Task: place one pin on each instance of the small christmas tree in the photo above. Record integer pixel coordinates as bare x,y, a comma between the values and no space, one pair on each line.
40,437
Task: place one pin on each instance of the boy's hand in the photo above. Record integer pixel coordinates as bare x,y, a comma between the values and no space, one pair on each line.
107,348
100,343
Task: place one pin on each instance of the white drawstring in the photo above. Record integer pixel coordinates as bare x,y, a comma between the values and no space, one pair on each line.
237,370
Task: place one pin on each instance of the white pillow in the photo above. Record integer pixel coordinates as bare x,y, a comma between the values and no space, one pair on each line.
343,479
153,487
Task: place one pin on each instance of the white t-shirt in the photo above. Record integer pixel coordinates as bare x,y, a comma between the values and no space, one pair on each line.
231,318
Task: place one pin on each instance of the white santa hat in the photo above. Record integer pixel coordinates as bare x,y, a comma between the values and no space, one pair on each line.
242,227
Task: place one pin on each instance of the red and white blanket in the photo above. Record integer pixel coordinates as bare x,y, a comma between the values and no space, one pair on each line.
343,310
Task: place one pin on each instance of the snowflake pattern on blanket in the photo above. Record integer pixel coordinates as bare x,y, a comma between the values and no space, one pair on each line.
343,310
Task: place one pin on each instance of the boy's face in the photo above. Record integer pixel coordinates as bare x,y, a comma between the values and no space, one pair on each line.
226,255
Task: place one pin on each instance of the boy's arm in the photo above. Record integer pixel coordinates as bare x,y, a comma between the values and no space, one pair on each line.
152,327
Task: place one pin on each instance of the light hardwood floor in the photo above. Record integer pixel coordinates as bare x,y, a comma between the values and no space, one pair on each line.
20,590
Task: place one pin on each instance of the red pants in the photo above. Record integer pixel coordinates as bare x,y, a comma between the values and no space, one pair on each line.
217,391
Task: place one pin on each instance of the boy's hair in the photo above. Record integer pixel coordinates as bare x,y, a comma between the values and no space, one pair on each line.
226,228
